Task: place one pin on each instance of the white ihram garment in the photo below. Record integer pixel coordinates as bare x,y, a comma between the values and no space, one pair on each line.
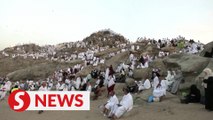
126,105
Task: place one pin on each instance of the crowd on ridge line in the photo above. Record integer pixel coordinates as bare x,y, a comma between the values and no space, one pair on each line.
49,52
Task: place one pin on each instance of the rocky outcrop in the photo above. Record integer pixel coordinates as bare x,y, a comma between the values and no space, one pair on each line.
116,60
188,63
140,74
130,82
208,50
38,71
159,63
169,49
105,38
191,66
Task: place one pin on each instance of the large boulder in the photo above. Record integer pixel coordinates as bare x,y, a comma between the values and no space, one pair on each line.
85,71
88,69
38,71
35,72
105,38
140,74
208,50
190,65
159,63
152,49
169,49
130,82
106,52
117,59
210,65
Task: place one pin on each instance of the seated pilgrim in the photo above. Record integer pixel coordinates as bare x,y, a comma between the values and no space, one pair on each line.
159,91
143,62
111,83
161,54
60,86
122,75
113,100
125,105
144,86
131,57
194,95
130,73
98,88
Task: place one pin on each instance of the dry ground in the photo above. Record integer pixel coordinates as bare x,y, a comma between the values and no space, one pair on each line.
169,109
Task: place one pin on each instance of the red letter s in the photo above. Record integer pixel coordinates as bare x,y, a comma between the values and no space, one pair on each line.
79,100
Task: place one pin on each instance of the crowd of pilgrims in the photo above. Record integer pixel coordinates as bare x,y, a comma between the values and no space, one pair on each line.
53,53
187,46
49,52
97,81
67,80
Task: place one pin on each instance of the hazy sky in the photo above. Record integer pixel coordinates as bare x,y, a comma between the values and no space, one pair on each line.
56,21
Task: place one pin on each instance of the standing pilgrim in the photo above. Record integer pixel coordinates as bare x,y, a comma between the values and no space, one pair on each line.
170,79
43,88
142,62
111,71
178,78
111,84
106,76
208,85
4,89
131,57
78,83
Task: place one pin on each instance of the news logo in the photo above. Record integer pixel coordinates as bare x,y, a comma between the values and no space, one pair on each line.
20,100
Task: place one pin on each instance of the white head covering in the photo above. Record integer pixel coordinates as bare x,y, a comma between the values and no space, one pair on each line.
208,72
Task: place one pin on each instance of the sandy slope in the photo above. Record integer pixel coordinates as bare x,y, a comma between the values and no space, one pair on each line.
169,109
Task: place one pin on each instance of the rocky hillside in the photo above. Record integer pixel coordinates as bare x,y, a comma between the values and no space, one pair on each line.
21,60
105,38
22,67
